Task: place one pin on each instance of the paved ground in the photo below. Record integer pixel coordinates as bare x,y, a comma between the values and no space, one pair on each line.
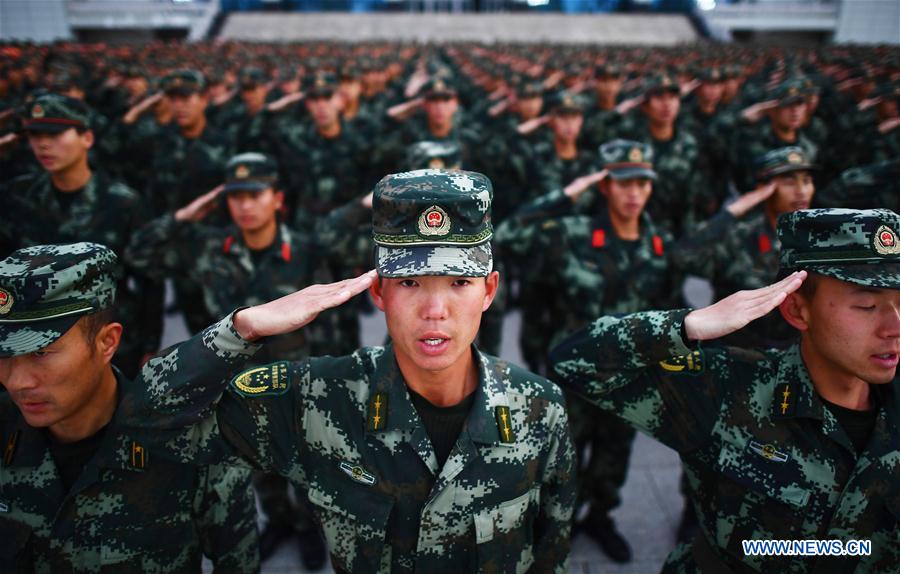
651,504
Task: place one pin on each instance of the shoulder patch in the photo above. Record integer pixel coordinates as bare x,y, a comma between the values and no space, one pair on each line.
692,363
262,381
550,224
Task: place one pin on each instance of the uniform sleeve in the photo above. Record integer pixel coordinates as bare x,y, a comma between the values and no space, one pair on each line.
640,368
518,235
225,517
558,492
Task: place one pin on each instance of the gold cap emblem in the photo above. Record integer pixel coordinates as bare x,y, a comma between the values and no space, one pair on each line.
635,155
436,163
885,242
440,86
37,111
6,301
176,82
793,92
794,157
434,222
241,172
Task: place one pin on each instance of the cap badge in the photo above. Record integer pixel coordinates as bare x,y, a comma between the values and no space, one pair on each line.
320,82
440,86
434,222
794,157
6,301
37,111
635,155
886,241
241,172
436,163
568,102
793,92
176,83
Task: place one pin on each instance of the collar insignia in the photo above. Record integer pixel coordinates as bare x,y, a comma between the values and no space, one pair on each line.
504,425
378,405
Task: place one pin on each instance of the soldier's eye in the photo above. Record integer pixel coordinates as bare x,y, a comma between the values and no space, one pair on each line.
408,283
461,282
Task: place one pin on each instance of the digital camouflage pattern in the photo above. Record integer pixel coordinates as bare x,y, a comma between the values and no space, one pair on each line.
866,187
858,246
764,458
751,141
433,222
129,511
782,160
433,155
45,289
344,429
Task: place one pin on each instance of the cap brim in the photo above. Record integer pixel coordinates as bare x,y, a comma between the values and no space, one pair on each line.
246,186
181,91
877,275
23,338
50,128
632,173
789,169
420,260
446,94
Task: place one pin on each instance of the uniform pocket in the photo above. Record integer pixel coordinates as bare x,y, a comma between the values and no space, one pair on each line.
505,534
354,520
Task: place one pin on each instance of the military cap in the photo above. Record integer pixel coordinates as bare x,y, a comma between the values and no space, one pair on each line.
439,88
564,102
321,84
659,83
608,71
250,172
627,159
858,246
710,74
434,155
886,91
44,290
782,160
789,91
183,82
251,77
529,89
55,113
133,71
433,222
349,72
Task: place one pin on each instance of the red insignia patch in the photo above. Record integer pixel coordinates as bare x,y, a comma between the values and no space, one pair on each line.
657,245
227,246
599,238
286,251
434,219
887,239
765,244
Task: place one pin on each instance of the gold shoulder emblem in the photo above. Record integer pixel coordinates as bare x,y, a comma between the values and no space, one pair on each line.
262,381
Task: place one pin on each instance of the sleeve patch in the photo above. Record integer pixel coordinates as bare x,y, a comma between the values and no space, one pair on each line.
691,364
262,381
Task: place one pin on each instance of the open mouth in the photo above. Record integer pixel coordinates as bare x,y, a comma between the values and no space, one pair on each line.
888,360
434,344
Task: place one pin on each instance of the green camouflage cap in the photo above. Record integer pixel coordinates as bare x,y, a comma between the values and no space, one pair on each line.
857,246
251,77
183,82
321,84
250,172
564,102
789,91
439,88
55,113
433,222
44,290
433,155
528,88
710,74
627,159
659,83
608,71
782,160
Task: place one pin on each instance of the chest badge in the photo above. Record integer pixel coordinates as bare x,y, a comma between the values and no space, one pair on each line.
768,452
358,473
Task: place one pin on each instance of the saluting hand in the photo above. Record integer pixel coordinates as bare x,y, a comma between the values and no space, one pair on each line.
740,206
583,183
293,311
755,112
736,311
200,207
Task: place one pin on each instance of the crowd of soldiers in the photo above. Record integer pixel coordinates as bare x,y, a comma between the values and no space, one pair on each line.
243,173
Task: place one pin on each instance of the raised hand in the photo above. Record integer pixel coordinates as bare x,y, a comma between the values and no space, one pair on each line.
755,112
285,101
740,206
736,311
583,183
526,128
293,311
138,109
200,207
627,105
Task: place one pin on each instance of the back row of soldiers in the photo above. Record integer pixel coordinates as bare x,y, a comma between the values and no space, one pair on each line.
139,168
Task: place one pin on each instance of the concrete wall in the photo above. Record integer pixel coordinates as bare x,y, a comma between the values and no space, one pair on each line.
40,20
603,29
869,22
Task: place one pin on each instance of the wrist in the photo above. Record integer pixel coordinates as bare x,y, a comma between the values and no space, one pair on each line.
243,324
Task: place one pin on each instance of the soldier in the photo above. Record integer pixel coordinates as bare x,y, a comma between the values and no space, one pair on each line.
69,201
796,444
602,119
738,249
865,187
188,160
612,260
79,492
254,260
424,454
249,126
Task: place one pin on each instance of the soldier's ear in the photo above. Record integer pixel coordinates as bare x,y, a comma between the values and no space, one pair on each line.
375,290
492,284
795,310
87,136
107,340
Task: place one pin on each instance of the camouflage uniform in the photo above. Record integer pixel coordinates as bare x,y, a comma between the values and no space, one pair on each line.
105,212
590,272
128,510
765,457
345,429
183,170
865,187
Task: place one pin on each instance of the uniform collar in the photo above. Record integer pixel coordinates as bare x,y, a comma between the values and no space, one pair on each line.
281,248
481,424
794,394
